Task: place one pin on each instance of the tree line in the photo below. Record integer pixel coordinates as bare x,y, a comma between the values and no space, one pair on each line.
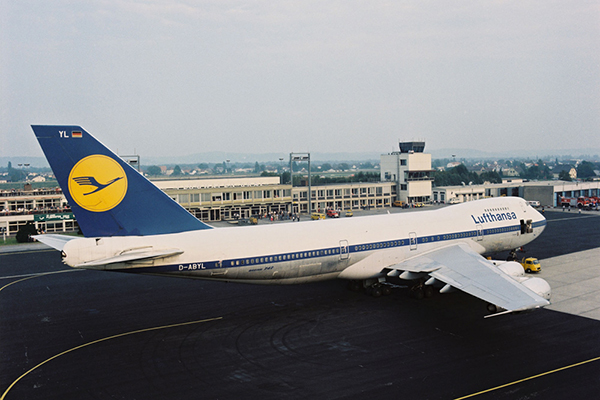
461,175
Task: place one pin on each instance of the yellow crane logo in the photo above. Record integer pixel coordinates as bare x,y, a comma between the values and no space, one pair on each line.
97,183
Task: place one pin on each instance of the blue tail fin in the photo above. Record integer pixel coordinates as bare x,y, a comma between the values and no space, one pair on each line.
107,195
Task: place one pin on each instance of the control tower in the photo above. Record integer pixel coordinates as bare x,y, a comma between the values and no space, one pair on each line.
415,147
411,170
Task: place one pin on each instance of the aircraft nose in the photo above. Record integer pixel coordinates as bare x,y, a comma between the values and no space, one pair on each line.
540,221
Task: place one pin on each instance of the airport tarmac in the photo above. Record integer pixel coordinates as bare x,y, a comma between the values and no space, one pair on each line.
92,335
575,282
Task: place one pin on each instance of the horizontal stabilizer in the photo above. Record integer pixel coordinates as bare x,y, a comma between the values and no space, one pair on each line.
55,241
130,256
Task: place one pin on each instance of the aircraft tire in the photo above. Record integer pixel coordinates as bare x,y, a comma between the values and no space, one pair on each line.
376,292
386,290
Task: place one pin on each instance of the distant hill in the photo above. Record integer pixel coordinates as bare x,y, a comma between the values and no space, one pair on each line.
581,153
219,157
590,154
35,162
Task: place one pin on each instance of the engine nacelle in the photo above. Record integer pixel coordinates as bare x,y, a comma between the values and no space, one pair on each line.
538,286
512,268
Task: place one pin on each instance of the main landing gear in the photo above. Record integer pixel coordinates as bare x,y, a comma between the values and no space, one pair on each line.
380,287
421,291
373,287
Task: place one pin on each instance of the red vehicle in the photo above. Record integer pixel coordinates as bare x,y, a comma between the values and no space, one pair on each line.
593,201
584,202
581,202
568,202
333,214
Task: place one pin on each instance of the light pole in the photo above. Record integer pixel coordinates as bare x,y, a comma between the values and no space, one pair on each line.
23,174
301,157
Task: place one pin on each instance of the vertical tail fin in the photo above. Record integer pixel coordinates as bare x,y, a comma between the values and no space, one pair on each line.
107,195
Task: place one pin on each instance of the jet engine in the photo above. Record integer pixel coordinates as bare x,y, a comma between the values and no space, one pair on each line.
511,268
537,286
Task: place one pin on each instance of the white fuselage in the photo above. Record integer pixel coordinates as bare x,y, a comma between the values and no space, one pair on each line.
298,252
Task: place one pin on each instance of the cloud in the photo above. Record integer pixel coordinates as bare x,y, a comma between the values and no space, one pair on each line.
296,74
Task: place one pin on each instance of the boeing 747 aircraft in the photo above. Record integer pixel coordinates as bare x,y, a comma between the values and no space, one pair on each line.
132,226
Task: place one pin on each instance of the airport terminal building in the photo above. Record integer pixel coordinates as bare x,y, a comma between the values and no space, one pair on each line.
47,209
211,199
548,193
405,176
219,199
344,196
216,199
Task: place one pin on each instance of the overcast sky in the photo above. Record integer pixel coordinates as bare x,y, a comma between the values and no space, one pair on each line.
179,77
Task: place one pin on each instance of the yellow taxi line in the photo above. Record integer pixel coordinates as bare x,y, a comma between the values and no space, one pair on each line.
529,378
103,340
36,276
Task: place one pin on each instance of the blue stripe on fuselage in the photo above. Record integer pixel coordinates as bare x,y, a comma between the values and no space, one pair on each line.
324,252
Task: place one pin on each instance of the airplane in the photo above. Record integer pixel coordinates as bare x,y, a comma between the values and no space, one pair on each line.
129,225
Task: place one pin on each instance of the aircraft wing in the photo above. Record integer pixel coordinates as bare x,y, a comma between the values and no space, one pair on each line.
462,268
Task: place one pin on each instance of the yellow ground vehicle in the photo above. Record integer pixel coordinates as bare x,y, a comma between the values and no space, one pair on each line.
349,213
531,264
317,216
398,203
